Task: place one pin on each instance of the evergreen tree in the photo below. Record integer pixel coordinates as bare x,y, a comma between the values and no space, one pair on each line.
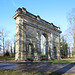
63,48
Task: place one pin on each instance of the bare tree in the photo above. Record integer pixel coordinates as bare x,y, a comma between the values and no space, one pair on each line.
14,45
3,36
71,19
7,45
0,41
11,50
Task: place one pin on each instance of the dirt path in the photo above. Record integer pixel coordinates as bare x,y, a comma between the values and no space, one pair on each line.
48,67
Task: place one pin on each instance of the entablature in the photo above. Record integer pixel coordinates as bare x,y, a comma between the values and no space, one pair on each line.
24,14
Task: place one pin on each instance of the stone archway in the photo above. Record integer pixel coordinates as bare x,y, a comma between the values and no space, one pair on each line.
29,28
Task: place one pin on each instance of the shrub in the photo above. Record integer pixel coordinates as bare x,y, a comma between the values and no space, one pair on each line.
7,53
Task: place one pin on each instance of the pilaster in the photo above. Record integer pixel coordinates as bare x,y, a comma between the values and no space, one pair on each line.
58,47
20,52
39,44
23,42
17,43
51,45
47,47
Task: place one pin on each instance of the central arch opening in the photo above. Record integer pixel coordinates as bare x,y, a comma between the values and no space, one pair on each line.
43,45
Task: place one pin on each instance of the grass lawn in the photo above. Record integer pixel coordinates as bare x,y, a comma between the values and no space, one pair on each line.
12,59
67,60
18,72
7,59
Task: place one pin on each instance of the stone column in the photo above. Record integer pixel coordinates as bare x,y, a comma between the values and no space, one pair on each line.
47,47
51,45
23,43
20,52
35,52
58,47
39,44
17,43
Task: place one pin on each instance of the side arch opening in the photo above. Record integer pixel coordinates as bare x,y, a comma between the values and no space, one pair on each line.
30,51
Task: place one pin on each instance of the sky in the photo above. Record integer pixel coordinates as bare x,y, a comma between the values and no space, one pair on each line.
53,11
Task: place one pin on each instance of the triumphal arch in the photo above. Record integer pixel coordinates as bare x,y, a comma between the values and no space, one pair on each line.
29,30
